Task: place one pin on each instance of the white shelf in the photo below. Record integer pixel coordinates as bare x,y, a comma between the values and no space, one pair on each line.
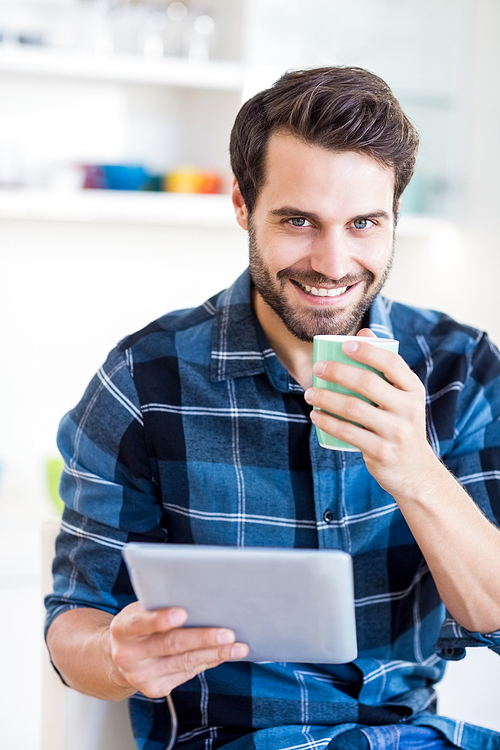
118,207
74,64
135,207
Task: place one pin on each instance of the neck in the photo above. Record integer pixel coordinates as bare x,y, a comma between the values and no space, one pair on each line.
295,355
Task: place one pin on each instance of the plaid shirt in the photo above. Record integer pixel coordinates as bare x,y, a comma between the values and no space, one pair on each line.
193,432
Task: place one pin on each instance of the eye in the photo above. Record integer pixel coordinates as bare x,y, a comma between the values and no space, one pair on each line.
299,221
362,223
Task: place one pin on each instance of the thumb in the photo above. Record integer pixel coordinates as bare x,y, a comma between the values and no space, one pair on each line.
366,332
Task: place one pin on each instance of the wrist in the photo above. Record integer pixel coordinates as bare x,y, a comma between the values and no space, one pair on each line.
119,684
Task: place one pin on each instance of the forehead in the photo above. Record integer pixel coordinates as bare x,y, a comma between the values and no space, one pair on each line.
299,173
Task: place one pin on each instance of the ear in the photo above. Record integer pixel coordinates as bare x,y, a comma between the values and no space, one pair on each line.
239,206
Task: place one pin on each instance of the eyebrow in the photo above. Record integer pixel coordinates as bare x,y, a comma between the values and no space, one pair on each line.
292,211
287,211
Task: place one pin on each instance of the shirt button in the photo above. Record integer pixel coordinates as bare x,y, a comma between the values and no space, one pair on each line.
328,516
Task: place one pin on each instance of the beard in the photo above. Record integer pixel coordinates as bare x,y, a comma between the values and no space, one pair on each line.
305,324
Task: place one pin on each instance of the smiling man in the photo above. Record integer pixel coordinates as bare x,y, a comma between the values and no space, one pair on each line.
197,430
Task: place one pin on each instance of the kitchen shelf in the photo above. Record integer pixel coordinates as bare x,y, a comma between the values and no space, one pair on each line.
117,207
46,62
163,209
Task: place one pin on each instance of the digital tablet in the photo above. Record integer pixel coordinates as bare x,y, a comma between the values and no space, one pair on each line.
287,604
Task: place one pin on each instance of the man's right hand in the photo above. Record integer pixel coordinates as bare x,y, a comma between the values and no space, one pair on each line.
113,657
154,653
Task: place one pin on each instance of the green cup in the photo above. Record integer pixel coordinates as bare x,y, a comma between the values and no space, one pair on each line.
330,348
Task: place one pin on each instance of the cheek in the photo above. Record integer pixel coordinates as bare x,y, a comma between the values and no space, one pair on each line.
279,251
375,255
286,251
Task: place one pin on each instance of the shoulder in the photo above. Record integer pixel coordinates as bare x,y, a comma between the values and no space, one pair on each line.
162,337
458,364
419,321
189,335
460,368
434,338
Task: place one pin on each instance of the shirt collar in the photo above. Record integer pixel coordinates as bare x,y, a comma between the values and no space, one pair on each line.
380,318
239,347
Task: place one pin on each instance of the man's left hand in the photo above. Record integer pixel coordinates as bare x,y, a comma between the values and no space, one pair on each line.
394,441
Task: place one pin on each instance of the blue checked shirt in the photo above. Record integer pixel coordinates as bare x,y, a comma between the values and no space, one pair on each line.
193,432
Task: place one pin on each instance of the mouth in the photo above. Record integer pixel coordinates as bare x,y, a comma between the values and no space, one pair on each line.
322,291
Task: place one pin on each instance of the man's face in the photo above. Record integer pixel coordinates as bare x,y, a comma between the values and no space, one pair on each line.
321,236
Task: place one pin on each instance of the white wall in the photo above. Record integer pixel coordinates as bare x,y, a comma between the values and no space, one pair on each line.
450,268
68,293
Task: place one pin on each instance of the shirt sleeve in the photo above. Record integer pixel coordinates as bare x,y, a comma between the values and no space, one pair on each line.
475,462
454,639
110,493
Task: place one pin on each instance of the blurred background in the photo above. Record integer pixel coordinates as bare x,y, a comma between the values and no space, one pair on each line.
114,208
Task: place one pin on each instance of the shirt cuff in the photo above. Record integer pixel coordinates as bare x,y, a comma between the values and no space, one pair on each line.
454,639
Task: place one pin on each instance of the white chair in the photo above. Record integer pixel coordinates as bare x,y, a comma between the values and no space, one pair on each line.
70,720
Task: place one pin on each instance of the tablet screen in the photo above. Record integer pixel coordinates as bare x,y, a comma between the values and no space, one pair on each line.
286,604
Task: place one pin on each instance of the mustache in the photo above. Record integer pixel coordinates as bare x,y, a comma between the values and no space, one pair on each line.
312,278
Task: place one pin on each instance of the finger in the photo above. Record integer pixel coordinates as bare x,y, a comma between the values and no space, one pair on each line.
330,405
393,367
364,440
201,659
389,364
356,379
135,622
366,332
358,417
181,640
157,678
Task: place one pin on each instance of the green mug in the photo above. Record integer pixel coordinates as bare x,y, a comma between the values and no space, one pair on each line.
330,348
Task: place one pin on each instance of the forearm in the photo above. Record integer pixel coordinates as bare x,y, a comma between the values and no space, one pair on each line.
460,545
79,644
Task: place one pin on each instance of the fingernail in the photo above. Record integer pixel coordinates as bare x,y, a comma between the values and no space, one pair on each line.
319,368
225,636
177,617
309,394
349,347
239,651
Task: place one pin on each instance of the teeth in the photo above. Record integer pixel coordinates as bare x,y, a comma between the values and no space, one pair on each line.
323,292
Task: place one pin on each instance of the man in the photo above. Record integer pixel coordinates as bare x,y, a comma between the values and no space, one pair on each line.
198,430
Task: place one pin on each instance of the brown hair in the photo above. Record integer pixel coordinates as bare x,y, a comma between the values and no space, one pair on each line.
338,108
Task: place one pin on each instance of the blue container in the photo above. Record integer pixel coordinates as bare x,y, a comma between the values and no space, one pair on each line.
122,177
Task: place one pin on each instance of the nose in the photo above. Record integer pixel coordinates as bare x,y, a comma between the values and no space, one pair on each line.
331,254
